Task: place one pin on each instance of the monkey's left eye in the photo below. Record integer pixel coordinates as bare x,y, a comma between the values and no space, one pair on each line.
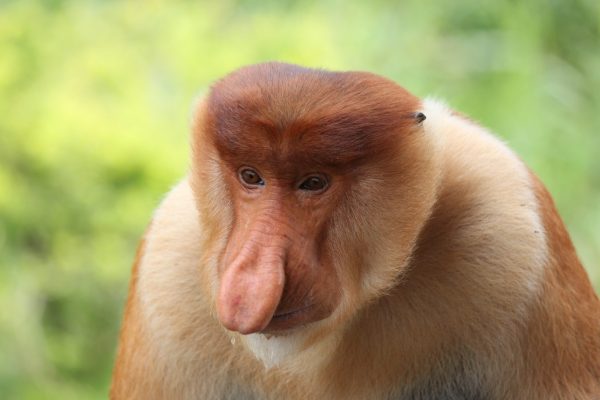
314,183
250,177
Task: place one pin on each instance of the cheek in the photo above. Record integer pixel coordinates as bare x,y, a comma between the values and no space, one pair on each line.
216,219
213,249
356,234
345,255
328,285
314,276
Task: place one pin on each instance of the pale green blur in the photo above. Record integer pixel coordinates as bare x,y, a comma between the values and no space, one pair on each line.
94,108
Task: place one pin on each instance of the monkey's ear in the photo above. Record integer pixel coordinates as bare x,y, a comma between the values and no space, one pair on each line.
419,117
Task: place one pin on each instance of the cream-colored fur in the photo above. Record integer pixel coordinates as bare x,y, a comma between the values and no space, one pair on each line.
508,208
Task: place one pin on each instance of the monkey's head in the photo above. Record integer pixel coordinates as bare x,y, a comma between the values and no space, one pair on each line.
312,187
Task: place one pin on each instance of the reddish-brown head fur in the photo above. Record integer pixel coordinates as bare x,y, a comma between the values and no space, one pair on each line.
289,123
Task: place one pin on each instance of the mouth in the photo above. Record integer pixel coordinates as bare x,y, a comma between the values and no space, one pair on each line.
289,319
281,316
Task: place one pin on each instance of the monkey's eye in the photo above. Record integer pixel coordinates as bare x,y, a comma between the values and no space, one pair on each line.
250,177
314,183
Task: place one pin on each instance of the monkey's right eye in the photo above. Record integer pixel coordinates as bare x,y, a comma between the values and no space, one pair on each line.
250,177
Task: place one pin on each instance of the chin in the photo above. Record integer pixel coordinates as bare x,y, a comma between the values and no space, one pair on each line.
286,348
273,350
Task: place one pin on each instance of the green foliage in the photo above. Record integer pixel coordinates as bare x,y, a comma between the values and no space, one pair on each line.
95,97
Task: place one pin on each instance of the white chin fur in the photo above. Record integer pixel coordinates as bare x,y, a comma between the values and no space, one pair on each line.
274,350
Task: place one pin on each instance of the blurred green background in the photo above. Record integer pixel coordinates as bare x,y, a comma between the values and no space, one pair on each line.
94,108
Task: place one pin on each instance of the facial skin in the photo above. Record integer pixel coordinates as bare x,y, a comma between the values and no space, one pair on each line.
275,273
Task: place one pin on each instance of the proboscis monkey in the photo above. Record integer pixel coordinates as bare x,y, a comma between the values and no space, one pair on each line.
339,238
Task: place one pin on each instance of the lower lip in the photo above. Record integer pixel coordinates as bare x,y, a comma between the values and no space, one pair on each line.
290,314
289,320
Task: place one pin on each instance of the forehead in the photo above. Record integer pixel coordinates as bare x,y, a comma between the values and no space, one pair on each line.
280,112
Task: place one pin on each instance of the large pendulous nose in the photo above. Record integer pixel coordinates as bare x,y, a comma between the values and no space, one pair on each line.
251,287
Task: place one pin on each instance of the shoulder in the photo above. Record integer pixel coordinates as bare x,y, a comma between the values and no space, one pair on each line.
487,210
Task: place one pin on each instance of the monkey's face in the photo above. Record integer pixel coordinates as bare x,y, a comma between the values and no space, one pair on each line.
305,159
276,271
